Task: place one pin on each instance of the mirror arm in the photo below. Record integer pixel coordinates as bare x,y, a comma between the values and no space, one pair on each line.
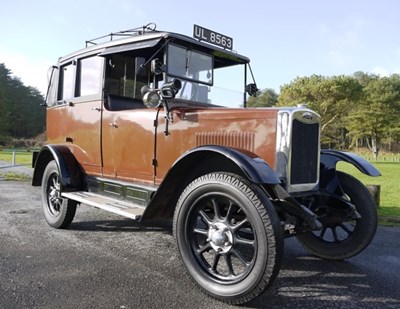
152,57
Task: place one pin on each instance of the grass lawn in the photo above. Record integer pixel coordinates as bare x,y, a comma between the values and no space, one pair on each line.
389,182
21,157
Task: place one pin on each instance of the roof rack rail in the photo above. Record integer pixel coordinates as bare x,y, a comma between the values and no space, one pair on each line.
131,32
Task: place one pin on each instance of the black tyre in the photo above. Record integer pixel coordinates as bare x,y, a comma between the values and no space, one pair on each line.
228,236
341,240
58,212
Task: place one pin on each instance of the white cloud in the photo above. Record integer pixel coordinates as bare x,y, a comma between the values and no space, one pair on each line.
390,64
381,71
31,71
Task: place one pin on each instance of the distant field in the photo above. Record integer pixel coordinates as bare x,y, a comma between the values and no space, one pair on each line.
389,181
21,157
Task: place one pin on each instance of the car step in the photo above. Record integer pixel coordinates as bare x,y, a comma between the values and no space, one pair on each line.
109,204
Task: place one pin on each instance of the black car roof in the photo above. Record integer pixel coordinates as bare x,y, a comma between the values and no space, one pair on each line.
151,39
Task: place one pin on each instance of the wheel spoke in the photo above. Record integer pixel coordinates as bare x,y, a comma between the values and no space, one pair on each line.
240,257
216,209
230,210
346,229
228,262
203,249
205,217
239,224
200,231
334,233
323,231
54,181
215,262
244,241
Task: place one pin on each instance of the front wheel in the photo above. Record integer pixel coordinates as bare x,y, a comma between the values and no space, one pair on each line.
228,236
341,239
58,211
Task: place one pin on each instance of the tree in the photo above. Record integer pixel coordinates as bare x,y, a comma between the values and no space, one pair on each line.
266,98
377,114
20,112
332,97
4,102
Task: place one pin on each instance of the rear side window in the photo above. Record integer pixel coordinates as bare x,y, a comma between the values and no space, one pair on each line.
90,76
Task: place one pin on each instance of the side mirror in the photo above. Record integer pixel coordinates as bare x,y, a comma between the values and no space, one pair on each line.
252,89
157,67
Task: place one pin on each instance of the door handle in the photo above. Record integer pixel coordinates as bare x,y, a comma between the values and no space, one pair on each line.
96,109
113,124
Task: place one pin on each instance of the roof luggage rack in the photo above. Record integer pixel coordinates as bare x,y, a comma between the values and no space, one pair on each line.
125,33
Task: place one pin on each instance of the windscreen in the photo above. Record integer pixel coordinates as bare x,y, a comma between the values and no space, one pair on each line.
189,65
201,80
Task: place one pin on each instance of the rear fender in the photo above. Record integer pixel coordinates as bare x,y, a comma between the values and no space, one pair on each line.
329,159
68,167
203,160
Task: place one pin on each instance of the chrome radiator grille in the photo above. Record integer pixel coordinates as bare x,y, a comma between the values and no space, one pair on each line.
298,148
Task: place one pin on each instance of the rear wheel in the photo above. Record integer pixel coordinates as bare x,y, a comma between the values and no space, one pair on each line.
340,239
229,237
58,211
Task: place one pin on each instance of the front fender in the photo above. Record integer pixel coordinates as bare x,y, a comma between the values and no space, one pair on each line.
68,167
329,159
203,160
252,166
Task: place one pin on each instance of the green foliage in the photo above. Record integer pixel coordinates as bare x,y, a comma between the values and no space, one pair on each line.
377,115
332,97
355,110
266,98
20,112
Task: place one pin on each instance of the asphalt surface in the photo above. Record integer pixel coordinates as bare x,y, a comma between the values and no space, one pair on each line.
105,261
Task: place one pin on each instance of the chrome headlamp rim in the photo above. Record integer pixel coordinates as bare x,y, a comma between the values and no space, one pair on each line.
152,99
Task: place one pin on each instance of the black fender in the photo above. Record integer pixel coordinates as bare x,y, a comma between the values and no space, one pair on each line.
252,166
329,158
68,167
203,160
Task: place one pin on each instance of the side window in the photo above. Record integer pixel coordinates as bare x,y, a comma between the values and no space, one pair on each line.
90,76
66,85
121,78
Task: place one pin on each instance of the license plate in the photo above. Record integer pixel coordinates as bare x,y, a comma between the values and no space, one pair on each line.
212,37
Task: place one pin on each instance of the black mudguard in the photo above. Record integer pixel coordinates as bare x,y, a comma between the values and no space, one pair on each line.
209,158
329,158
255,168
68,167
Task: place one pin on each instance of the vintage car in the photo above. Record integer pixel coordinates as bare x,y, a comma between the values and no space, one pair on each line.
153,126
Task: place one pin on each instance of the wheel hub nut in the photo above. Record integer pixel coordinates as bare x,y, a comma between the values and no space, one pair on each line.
220,237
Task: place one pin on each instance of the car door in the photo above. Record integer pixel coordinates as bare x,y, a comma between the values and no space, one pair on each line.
75,118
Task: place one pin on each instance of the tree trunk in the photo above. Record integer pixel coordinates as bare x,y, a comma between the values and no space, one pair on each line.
373,145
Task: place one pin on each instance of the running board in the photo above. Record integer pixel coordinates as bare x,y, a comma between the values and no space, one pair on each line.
109,204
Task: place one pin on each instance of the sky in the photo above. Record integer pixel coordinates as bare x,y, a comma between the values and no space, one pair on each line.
284,39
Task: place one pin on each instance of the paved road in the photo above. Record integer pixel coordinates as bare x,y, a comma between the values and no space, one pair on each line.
104,261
